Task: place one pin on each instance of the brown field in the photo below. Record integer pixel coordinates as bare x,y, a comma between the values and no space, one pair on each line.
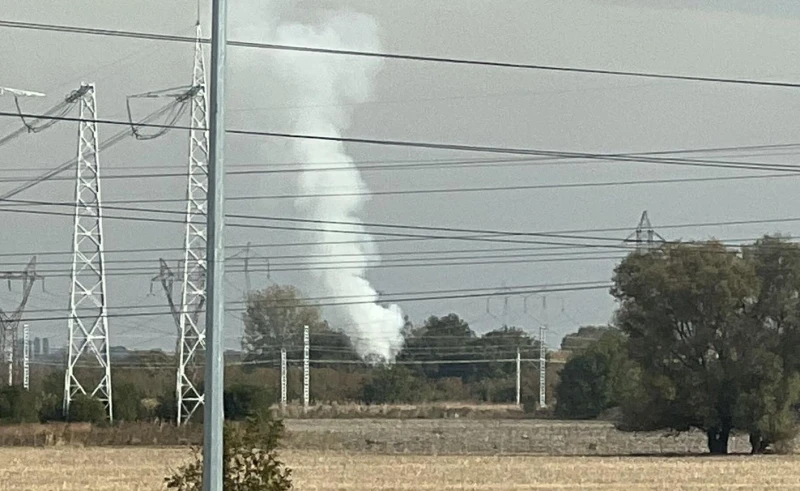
141,468
412,455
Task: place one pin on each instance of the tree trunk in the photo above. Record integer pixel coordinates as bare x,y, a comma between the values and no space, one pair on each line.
718,440
758,444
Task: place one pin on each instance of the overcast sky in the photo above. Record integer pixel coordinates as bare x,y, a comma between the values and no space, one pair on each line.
433,103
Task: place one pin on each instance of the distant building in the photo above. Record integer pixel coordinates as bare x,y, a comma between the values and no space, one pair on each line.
45,346
37,347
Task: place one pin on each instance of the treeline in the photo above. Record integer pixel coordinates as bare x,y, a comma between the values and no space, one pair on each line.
442,359
705,337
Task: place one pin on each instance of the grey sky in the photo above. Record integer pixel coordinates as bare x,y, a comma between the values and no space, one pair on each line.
429,102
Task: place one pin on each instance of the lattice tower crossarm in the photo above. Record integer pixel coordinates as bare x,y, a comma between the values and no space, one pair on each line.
88,363
193,295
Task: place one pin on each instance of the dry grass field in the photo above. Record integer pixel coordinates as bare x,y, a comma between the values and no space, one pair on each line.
141,468
412,455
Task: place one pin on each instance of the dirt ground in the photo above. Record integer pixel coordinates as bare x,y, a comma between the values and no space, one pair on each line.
490,437
141,468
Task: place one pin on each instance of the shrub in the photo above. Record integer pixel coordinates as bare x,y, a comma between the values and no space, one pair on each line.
249,456
18,405
128,403
167,407
51,407
242,401
86,409
392,384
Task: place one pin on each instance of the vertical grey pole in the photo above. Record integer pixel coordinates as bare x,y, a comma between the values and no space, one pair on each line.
306,375
283,378
542,369
518,377
26,357
215,315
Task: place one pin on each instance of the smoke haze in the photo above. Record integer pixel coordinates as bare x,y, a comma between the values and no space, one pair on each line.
323,88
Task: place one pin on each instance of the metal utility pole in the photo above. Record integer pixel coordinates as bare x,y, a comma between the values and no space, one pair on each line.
26,358
542,368
10,322
88,312
283,377
542,358
306,374
519,377
191,325
247,285
215,313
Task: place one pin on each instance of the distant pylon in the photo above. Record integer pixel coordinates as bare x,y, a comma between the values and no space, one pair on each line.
193,296
10,322
645,238
88,344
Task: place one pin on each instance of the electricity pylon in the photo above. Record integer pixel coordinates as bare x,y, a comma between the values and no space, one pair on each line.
167,279
191,325
89,362
10,322
645,238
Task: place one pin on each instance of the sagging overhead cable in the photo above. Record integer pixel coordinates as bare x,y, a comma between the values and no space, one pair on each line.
60,110
111,141
174,111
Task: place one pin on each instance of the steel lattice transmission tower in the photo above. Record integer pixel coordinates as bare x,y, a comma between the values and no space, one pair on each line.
191,326
645,237
88,363
10,322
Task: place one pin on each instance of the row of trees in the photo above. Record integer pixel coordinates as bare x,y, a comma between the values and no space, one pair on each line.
441,359
705,337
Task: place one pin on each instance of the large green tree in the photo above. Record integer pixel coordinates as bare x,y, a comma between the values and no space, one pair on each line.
441,339
584,338
683,308
592,380
502,344
274,320
713,334
770,385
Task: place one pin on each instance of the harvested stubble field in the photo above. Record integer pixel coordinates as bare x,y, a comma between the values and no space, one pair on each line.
490,437
140,468
385,455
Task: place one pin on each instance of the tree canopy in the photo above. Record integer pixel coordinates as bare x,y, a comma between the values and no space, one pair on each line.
712,333
274,319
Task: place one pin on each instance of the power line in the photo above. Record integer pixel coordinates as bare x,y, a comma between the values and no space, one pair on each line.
406,192
337,304
426,164
105,144
492,236
474,233
390,56
635,158
388,297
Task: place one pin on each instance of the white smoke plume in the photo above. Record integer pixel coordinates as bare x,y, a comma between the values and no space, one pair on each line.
324,88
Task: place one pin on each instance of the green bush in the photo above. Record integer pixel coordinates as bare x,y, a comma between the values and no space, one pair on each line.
249,460
167,408
18,405
591,380
128,403
86,409
242,401
51,407
392,384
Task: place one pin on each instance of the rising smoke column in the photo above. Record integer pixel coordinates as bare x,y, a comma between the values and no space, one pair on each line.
324,88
